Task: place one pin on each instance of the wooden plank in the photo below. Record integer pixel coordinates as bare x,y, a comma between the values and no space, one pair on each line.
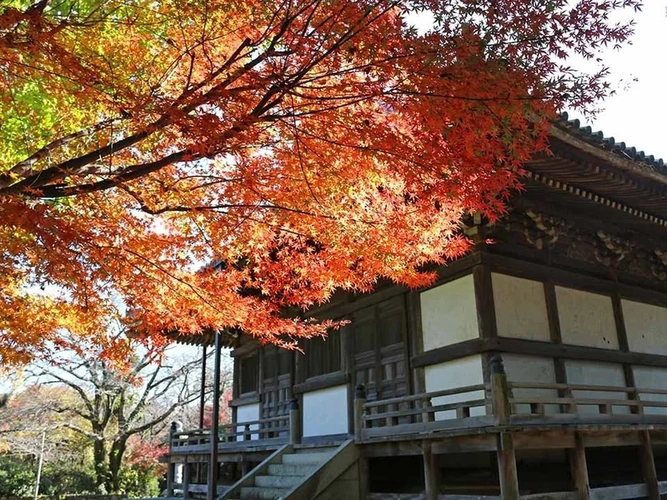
427,427
619,492
548,349
544,439
579,468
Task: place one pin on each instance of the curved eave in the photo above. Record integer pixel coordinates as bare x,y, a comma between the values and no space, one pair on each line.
619,158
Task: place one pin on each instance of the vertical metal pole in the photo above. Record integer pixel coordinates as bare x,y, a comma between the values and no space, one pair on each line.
202,405
212,487
39,465
202,397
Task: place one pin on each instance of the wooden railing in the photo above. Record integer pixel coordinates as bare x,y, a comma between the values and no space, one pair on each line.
457,407
636,401
422,407
502,403
275,429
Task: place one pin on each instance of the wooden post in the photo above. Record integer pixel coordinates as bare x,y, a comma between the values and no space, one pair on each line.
500,396
294,422
359,403
509,479
579,468
171,468
500,392
186,478
170,479
648,465
212,480
431,483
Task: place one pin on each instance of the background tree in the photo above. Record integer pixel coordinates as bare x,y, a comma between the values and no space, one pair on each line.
303,145
87,402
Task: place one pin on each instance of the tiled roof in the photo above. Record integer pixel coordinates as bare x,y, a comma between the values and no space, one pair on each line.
585,133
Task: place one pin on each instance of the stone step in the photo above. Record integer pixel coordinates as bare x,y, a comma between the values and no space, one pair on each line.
316,449
305,458
278,481
290,469
257,493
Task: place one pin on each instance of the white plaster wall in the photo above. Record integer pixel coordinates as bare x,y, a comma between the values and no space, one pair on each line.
646,326
649,377
521,309
247,413
451,374
586,318
325,411
449,313
596,373
534,369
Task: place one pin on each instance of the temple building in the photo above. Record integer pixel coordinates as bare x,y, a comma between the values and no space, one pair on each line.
534,367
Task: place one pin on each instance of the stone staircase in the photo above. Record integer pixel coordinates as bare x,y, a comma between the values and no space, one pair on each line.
294,473
280,478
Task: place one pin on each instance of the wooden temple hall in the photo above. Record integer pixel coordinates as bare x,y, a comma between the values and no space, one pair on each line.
535,367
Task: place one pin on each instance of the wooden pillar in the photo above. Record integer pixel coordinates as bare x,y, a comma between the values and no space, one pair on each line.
509,479
170,479
212,482
359,403
500,396
294,422
579,468
431,479
648,465
186,478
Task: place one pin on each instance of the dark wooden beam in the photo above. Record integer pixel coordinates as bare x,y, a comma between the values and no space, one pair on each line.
322,382
535,348
648,465
450,352
579,468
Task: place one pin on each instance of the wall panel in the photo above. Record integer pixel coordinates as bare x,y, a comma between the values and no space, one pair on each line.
646,327
448,313
325,411
521,310
586,318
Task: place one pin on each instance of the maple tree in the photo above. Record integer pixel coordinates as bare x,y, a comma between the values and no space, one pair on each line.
302,145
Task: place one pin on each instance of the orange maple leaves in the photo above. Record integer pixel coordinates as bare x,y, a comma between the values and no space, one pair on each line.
304,145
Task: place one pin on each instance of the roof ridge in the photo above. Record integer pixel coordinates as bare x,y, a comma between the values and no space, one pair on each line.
610,144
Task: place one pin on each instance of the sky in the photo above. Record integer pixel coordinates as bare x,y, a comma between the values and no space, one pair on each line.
637,114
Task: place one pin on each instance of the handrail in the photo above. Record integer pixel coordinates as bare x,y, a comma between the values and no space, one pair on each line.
581,387
426,395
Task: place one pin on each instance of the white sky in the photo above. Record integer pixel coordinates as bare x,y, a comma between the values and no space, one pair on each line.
636,115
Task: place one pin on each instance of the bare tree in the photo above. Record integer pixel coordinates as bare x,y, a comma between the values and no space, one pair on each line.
108,404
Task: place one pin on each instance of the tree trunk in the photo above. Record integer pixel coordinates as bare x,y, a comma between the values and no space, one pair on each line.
115,462
99,458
